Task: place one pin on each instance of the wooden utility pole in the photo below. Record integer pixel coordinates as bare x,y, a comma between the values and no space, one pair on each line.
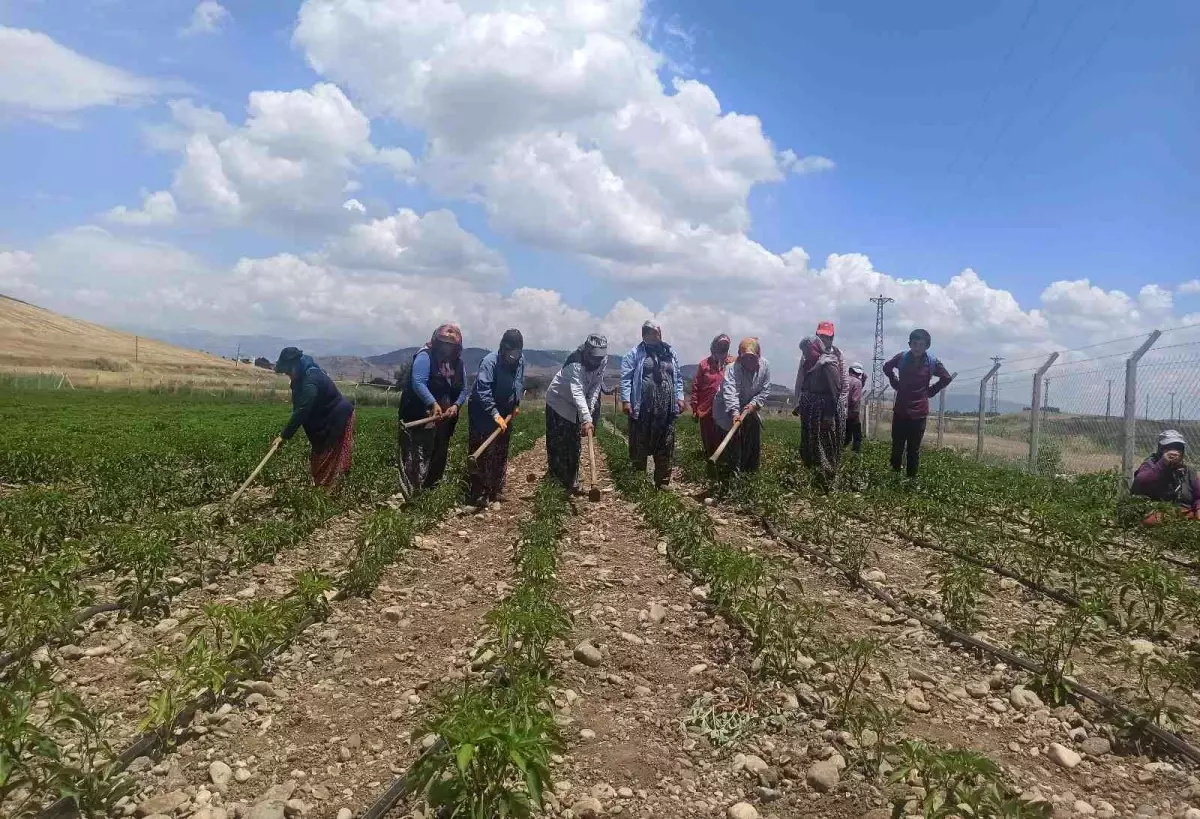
1108,404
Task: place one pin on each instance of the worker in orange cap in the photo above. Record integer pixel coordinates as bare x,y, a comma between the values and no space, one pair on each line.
821,394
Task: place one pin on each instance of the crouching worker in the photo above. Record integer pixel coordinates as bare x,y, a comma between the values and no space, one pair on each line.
1166,477
325,414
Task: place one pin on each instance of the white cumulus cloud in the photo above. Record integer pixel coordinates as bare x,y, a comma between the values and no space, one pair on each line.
207,18
290,163
157,208
554,117
45,80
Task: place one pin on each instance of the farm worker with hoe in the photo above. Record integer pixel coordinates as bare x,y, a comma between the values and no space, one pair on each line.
652,397
436,388
571,401
858,379
822,390
325,414
1165,476
706,383
910,373
744,390
495,396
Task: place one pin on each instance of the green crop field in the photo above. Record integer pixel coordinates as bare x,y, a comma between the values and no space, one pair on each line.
981,642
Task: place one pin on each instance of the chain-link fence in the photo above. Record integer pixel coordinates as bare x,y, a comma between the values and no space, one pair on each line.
1090,409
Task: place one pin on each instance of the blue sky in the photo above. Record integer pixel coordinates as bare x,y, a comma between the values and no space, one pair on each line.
1032,142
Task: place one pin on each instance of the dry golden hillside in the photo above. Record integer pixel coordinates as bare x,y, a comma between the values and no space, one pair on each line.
34,340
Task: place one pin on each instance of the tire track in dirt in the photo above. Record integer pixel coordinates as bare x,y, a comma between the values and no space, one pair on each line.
624,720
334,724
970,705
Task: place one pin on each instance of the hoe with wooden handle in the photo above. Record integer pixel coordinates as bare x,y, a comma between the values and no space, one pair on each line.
496,434
594,492
274,448
728,437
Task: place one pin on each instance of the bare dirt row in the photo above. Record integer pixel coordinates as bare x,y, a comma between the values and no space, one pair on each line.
334,722
954,697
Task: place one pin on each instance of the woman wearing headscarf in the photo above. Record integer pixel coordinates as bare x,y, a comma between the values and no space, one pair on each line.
854,398
1167,477
822,390
652,397
744,391
327,417
571,401
706,383
436,387
495,397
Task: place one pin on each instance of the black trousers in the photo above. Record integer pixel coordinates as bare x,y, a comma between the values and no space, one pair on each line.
853,434
906,435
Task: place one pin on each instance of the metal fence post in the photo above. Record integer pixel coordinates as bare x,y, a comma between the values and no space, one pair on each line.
983,384
941,422
1130,453
1035,413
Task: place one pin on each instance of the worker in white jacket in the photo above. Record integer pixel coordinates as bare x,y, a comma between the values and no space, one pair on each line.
744,391
571,400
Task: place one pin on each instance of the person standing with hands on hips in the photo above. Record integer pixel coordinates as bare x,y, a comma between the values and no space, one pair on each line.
910,374
744,391
652,397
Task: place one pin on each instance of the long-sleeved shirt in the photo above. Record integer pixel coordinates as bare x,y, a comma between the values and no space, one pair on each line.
910,377
706,383
575,392
854,398
496,393
739,389
814,354
631,377
420,381
317,405
1154,479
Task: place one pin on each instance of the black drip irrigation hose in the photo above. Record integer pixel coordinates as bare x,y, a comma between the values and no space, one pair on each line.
154,741
401,786
80,617
83,615
1168,739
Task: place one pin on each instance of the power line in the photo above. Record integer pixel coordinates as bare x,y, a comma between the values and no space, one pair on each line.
1071,84
1011,118
1012,48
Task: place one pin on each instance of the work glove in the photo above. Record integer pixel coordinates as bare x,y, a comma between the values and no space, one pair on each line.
500,422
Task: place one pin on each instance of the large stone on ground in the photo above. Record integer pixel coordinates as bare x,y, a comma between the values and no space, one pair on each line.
742,810
588,654
1063,756
165,803
219,773
822,777
587,808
